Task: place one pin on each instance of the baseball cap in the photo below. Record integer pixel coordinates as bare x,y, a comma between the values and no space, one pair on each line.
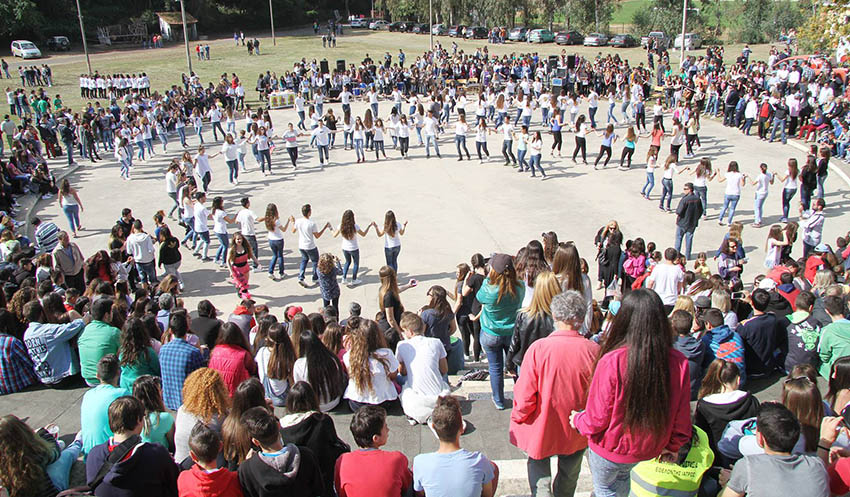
767,284
292,311
500,262
703,302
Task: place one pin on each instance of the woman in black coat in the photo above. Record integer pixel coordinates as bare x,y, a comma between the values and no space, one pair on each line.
608,243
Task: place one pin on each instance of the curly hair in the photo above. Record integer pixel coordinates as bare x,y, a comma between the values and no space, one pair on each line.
134,342
19,299
326,263
22,456
205,395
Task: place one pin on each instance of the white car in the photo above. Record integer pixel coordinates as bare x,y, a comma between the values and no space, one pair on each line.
595,40
25,49
379,24
359,22
692,41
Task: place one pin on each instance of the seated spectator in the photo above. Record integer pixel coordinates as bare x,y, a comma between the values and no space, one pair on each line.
777,470
235,440
304,425
94,421
232,357
835,337
803,332
206,326
422,361
787,288
98,339
205,400
49,346
371,471
721,401
177,360
372,367
320,368
243,317
136,354
763,336
275,360
17,371
159,423
683,474
722,343
146,469
452,470
205,478
166,303
690,347
277,469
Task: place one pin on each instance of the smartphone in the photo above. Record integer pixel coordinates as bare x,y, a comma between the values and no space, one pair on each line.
845,413
413,282
738,295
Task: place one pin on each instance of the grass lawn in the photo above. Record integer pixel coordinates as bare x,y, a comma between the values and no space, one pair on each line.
626,10
165,66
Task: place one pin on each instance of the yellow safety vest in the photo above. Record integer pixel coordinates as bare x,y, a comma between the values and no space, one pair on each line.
656,479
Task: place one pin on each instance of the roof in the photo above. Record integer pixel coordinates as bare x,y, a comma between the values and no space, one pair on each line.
176,18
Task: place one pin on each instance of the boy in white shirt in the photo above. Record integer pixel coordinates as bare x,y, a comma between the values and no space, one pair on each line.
246,219
422,361
307,235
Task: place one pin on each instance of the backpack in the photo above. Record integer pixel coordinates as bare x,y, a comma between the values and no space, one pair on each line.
114,457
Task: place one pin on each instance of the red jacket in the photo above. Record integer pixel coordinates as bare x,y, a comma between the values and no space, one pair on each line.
234,364
199,483
602,421
556,374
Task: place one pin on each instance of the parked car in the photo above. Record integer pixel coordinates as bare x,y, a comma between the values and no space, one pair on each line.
58,43
457,31
661,40
420,29
379,24
440,29
569,38
540,36
692,41
477,33
518,34
595,40
397,26
25,49
623,41
408,26
360,22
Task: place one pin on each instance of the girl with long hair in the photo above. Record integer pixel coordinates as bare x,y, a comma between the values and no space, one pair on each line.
378,131
566,265
237,260
790,184
481,132
702,175
333,338
389,296
461,130
276,230
638,405
358,138
629,145
71,205
205,400
320,368
670,168
349,229
808,182
582,129
608,139
467,306
838,393
235,439
651,163
438,317
802,397
372,367
232,357
535,320
501,295
734,181
402,130
392,233
776,239
169,254
529,263
290,137
536,154
762,183
220,221
556,124
159,423
135,353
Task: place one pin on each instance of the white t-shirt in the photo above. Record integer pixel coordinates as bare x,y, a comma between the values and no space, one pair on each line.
219,223
279,387
667,278
230,151
393,241
170,182
733,183
201,215
300,373
203,165
246,219
421,357
671,169
277,232
305,228
382,388
350,245
763,183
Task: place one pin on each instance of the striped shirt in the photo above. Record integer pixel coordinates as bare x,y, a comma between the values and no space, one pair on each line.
46,237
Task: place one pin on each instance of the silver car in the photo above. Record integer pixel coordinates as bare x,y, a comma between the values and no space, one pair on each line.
595,40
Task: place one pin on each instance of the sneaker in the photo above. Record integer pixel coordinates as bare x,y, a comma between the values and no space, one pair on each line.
259,268
303,283
46,196
206,259
356,281
499,407
271,276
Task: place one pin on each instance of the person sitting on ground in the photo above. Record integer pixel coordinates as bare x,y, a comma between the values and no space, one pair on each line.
243,317
49,346
763,336
452,470
277,469
177,360
98,339
146,469
803,333
17,371
372,367
206,326
835,337
722,343
205,400
690,347
422,361
371,472
232,357
777,470
94,423
206,479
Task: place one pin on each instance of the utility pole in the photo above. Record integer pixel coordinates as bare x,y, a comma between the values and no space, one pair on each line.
684,23
271,16
185,35
83,35
431,23
596,14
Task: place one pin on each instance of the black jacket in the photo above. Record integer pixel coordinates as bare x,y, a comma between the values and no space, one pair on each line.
207,330
694,352
150,470
316,431
763,336
713,418
527,330
295,473
689,212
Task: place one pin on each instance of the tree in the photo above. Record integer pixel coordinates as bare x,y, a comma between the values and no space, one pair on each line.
828,28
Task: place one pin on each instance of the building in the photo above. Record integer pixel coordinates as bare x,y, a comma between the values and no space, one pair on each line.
171,26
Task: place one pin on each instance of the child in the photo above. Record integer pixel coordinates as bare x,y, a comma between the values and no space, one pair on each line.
692,348
71,296
371,471
276,469
44,263
328,271
452,470
206,479
423,361
120,268
701,266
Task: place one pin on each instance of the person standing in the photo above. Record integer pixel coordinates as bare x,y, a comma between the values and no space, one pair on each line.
688,214
68,259
322,136
392,233
555,379
813,226
140,246
246,220
349,229
762,183
307,235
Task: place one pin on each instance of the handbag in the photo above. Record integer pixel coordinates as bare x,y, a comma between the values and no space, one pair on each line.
117,454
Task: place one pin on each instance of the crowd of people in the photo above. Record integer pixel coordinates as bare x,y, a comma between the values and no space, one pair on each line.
183,405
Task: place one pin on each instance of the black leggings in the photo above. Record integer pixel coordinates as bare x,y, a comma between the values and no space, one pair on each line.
627,155
640,120
479,146
604,149
581,144
470,332
293,155
689,143
403,144
556,144
674,150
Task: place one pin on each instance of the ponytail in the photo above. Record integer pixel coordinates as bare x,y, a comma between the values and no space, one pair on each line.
719,373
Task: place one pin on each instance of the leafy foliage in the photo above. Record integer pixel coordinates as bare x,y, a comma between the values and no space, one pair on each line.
826,29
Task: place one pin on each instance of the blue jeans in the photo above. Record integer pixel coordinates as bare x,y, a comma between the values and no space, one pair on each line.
265,157
223,243
181,132
758,210
496,347
276,246
147,272
374,110
649,185
233,167
520,155
702,193
358,149
610,479
821,181
72,212
730,202
391,255
535,161
688,236
778,124
313,256
204,244
351,256
460,142
787,195
323,155
69,149
666,192
59,470
591,111
429,140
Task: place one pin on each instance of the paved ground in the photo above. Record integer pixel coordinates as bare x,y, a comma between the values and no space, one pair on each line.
454,209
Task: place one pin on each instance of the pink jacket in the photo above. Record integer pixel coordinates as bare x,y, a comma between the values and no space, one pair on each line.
635,266
234,364
556,374
602,421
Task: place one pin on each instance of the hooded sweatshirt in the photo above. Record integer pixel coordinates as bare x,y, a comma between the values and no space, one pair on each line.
763,336
140,246
198,482
316,431
714,412
694,351
834,343
723,343
292,472
147,470
803,336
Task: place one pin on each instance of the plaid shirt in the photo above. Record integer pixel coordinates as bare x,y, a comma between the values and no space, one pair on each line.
16,368
177,360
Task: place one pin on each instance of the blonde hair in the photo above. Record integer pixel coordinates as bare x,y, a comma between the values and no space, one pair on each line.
721,301
685,303
546,286
205,395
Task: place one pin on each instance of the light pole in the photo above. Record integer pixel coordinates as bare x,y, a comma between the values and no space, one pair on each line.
185,35
83,35
684,23
271,16
431,23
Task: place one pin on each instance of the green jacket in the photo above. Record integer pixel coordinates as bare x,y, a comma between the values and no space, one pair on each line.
97,340
498,318
834,343
144,365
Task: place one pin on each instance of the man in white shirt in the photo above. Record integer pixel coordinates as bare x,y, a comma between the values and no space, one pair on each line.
321,135
215,120
140,246
667,279
429,130
422,361
202,230
246,219
307,235
345,98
